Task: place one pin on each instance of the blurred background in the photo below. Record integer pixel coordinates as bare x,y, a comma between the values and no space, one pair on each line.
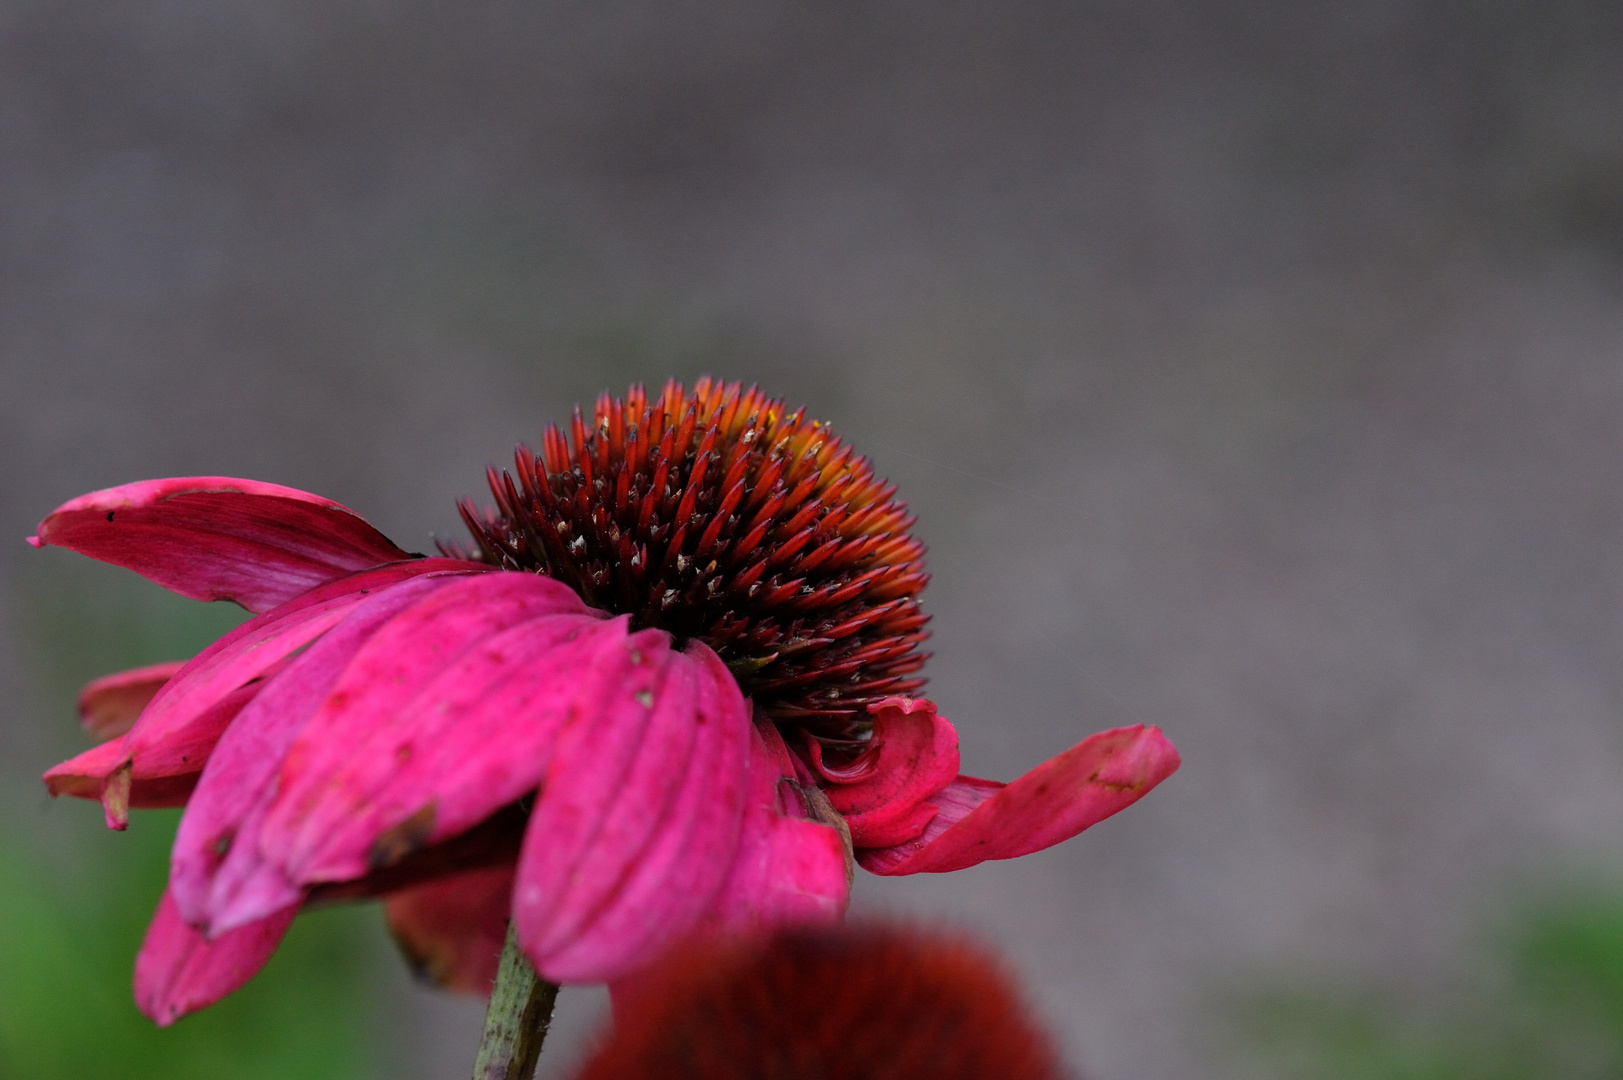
1255,369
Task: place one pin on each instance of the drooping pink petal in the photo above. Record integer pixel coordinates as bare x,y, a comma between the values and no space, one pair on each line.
634,811
447,715
981,819
884,794
608,785
216,855
788,869
168,745
670,886
179,971
367,688
451,930
479,736
253,649
220,538
109,706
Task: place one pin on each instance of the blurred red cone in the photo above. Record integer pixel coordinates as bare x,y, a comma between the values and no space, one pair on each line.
826,1003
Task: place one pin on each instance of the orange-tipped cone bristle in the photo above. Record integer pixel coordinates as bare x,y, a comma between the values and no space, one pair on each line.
718,514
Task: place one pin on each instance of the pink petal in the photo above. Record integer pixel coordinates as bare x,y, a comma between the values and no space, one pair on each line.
616,769
883,794
981,820
447,715
216,855
108,706
255,647
84,775
671,884
787,869
179,971
632,812
452,930
218,538
177,731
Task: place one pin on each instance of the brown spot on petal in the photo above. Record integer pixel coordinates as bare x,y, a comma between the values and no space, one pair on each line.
404,839
493,842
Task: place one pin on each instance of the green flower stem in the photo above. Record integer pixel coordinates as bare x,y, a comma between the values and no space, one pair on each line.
517,1020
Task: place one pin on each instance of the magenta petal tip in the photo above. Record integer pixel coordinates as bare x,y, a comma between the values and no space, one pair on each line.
982,819
179,971
220,538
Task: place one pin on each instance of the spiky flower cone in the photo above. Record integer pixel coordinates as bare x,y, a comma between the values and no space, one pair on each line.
717,514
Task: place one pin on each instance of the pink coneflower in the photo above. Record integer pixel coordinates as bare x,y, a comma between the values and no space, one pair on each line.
824,1003
672,687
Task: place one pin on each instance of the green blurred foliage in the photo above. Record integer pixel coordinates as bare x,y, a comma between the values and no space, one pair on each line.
68,948
75,898
1544,1002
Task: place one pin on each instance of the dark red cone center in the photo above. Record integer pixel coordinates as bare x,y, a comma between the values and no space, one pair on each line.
717,514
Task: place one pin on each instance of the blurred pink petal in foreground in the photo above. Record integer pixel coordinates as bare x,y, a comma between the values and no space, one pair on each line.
672,691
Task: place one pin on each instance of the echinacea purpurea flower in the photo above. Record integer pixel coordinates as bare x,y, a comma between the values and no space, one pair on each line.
671,688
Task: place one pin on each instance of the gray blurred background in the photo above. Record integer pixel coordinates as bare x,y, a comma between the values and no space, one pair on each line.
1255,369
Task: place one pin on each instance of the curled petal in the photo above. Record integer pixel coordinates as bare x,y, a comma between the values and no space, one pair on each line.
981,819
664,890
219,538
179,971
109,706
884,794
451,930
